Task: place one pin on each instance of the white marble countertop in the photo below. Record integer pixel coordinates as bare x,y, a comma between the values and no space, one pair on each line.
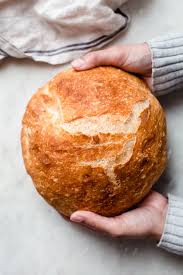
34,238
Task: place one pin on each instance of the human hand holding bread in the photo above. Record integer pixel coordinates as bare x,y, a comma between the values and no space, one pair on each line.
133,58
149,217
147,220
95,140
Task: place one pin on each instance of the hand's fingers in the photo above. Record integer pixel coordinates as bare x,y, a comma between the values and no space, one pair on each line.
113,56
107,225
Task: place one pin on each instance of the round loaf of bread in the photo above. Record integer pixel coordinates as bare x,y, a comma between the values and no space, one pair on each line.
94,140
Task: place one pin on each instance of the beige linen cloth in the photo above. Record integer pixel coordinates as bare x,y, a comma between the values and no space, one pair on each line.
57,31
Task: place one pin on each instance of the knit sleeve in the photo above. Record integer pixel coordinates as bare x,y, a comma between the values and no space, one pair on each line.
172,238
167,63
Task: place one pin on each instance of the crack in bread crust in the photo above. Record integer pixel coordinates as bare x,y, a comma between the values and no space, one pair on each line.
113,124
107,123
108,164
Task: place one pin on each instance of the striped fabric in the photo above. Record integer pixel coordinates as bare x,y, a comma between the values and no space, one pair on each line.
58,32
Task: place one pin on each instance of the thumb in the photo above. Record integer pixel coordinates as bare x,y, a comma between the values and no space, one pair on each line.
97,222
112,56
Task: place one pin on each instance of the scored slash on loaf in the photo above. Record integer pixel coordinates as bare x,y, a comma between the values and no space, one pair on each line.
94,140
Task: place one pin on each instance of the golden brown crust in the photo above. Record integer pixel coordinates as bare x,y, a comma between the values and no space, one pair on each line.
94,140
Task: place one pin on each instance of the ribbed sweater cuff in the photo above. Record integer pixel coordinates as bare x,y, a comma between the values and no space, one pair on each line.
167,63
172,238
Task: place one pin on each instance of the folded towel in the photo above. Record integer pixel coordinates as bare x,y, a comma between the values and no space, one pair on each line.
58,31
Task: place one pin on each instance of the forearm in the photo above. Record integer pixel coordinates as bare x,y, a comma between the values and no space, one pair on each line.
172,237
167,63
167,76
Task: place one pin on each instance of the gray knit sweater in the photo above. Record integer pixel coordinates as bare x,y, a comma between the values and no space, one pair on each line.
167,75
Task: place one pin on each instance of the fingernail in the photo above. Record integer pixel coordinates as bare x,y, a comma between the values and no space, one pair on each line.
78,63
76,218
